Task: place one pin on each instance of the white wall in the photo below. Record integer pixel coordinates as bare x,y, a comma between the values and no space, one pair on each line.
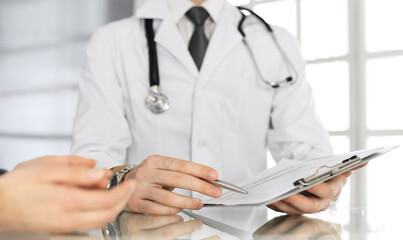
42,47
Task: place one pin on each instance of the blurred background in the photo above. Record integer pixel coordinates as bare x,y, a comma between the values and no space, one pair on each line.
42,50
354,51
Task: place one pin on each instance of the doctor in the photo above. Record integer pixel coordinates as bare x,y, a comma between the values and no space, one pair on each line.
230,101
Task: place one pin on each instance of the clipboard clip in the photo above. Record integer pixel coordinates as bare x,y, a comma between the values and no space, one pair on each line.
334,170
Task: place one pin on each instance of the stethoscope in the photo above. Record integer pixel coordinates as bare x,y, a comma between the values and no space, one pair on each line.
158,102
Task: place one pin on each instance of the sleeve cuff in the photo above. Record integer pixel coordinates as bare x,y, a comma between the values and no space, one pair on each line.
2,171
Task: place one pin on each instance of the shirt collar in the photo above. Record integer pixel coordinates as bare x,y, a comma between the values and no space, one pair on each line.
179,8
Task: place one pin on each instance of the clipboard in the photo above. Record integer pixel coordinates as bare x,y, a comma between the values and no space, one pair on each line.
280,182
318,177
333,171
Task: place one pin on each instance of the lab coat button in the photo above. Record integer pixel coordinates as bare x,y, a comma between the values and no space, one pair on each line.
202,144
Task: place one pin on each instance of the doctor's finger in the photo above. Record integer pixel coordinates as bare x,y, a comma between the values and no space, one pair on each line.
284,207
172,199
330,189
179,180
188,167
347,174
361,166
308,204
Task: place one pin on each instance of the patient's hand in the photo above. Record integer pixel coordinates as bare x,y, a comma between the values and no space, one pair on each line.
59,194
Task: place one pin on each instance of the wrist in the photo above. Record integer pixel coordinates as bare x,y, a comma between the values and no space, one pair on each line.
2,171
119,176
130,174
116,169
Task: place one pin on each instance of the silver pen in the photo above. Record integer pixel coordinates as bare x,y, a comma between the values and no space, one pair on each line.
227,185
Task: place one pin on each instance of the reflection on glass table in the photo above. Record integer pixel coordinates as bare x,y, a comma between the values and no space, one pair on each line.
256,222
298,227
228,223
140,226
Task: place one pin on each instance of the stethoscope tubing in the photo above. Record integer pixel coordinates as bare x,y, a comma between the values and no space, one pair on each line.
288,80
157,102
240,29
152,51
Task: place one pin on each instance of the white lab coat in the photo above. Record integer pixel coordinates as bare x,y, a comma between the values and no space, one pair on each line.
224,116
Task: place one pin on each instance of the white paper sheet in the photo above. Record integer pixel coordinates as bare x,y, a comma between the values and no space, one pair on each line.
279,180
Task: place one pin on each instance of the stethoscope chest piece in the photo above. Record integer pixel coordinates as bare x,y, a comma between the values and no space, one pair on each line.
157,102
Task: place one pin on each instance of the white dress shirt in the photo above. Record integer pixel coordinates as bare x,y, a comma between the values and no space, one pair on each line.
186,27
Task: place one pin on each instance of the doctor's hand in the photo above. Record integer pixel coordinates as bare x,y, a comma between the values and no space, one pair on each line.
315,199
157,176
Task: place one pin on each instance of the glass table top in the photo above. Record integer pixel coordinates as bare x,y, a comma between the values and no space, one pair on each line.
248,222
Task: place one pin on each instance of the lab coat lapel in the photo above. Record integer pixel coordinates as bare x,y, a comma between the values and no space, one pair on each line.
168,35
223,40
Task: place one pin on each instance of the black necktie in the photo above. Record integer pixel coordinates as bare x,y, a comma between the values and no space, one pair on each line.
198,43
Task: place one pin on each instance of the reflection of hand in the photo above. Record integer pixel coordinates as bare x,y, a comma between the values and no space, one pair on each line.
298,227
139,226
157,176
58,194
315,199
